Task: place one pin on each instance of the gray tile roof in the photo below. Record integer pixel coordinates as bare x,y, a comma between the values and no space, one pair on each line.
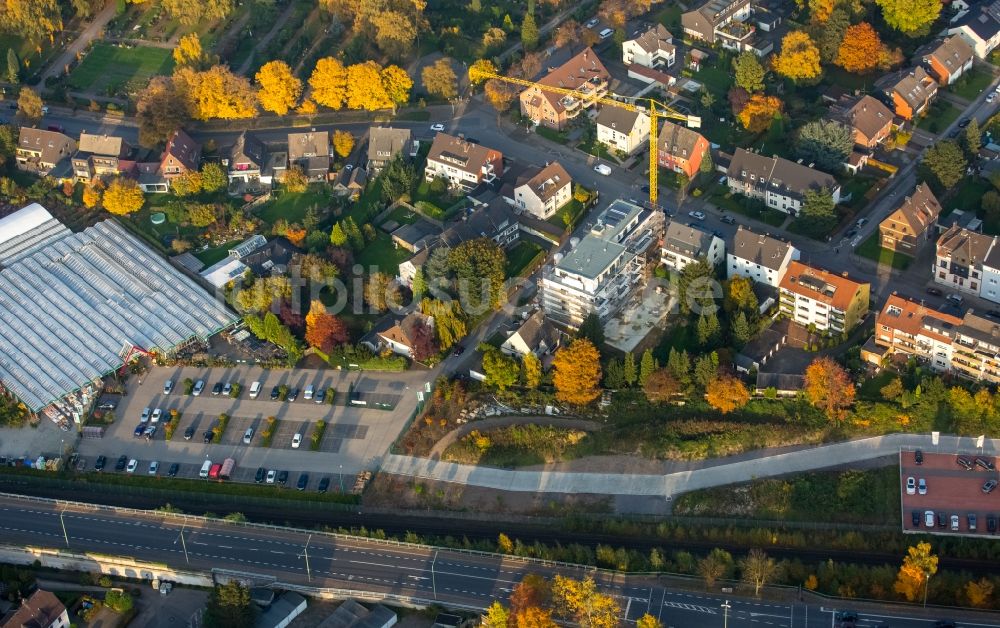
621,120
384,143
759,248
777,174
688,241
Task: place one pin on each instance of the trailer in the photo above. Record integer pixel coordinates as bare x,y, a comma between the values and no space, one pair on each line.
227,468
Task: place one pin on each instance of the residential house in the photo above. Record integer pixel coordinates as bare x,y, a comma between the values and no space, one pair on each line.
979,26
960,257
911,224
781,184
975,354
463,164
990,285
416,236
43,152
683,244
602,271
759,257
350,182
680,149
180,156
400,333
909,91
41,609
622,130
949,59
869,119
542,191
99,156
823,300
384,143
408,269
721,21
652,49
310,151
535,335
906,328
274,257
495,221
584,74
252,165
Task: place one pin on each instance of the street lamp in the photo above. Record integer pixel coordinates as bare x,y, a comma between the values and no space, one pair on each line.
725,613
341,479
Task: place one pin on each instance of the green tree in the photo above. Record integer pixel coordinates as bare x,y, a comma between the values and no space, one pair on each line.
229,606
646,366
529,32
419,286
398,178
354,235
614,375
592,329
972,139
629,371
213,178
337,235
827,143
13,67
479,266
708,329
912,17
501,371
706,369
818,216
943,165
831,33
680,365
749,72
740,330
118,601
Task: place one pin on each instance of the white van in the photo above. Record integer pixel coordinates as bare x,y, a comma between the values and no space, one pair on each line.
308,394
607,32
254,390
205,469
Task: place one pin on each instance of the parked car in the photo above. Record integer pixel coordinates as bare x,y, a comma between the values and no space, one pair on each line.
227,389
964,123
911,486
100,463
282,477
145,414
293,394
729,220
324,484
296,440
603,169
985,463
971,518
929,518
861,222
916,518
942,520
303,481
991,97
189,433
155,418
437,127
150,432
989,486
139,430
964,462
954,523
198,387
921,486
122,462
320,396
260,475
307,394
217,389
207,436
248,436
174,468
132,465
604,34
271,474
459,350
918,457
697,215
592,22
154,467
275,393
168,387
934,291
955,298
107,404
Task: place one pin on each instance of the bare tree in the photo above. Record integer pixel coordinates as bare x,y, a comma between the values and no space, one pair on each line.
758,568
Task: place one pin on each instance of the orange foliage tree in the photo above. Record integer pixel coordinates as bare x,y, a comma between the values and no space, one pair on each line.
799,58
756,116
828,386
726,394
859,51
577,373
323,330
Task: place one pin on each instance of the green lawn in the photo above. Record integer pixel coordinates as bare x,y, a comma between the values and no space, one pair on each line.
551,134
722,198
383,254
568,215
871,249
669,17
403,216
216,254
717,81
521,256
972,84
597,149
108,68
939,116
292,206
967,195
857,187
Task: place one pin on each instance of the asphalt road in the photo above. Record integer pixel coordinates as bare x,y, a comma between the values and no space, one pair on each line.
449,577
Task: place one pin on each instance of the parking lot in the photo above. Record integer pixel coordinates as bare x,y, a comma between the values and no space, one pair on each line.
949,490
355,438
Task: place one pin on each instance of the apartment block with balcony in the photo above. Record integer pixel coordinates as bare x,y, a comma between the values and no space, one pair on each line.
976,350
584,74
100,156
602,271
781,184
463,164
652,49
820,299
759,257
909,329
725,22
960,257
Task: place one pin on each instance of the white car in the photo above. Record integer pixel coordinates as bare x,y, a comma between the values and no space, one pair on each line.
296,440
697,215
991,97
922,486
168,386
132,465
271,474
198,387
594,21
248,436
437,127
911,486
929,518
154,466
145,415
156,415
604,169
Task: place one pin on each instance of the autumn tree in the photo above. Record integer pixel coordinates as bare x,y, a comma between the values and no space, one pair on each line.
717,564
328,82
160,110
532,591
439,79
759,112
397,85
92,193
215,93
29,106
188,52
279,89
577,372
480,71
749,72
500,95
648,621
496,616
493,38
395,32
758,569
827,143
189,12
821,10
828,386
567,34
799,58
859,50
943,165
916,571
324,331
123,197
531,371
382,292
979,592
501,371
580,601
726,393
449,322
186,184
343,142
364,87
910,16
213,177
661,386
34,20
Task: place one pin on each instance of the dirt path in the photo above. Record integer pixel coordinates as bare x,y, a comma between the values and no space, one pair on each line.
504,421
266,39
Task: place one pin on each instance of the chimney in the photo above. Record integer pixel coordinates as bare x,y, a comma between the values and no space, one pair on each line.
844,274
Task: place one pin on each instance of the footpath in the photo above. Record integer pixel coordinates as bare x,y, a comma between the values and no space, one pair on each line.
767,464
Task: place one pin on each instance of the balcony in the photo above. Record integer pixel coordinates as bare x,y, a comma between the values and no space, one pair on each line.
735,34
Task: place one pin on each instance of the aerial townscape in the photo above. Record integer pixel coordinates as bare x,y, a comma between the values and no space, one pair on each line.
509,313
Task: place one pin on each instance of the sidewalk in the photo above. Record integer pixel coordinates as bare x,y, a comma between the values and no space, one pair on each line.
668,485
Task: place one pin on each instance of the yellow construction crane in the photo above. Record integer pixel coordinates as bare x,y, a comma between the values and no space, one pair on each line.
481,71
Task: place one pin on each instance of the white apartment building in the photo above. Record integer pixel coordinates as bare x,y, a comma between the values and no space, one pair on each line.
759,257
622,130
652,49
781,184
542,191
825,301
683,245
463,164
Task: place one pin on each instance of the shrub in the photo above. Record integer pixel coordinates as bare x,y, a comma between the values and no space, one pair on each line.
236,390
331,394
267,434
220,428
173,420
282,392
188,386
105,581
118,601
317,435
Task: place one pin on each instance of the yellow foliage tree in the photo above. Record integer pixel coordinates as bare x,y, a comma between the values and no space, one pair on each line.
759,112
35,20
579,600
979,592
799,58
29,105
279,88
123,197
397,85
820,10
726,394
329,83
479,69
343,142
577,372
92,194
534,617
439,79
918,566
215,93
307,108
365,89
188,52
531,369
648,621
495,617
